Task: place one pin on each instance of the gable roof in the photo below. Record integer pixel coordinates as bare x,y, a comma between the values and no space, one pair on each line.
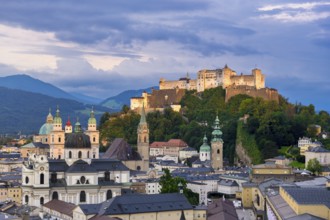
61,206
121,150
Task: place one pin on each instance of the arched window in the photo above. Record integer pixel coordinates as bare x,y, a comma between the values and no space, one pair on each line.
26,180
59,157
42,178
83,179
218,151
94,139
109,194
82,197
145,139
70,154
79,154
41,200
55,195
26,199
107,176
59,139
94,155
138,168
87,154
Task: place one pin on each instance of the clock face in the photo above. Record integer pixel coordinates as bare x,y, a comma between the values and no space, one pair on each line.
41,168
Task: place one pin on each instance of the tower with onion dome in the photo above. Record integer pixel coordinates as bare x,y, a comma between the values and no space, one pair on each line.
217,146
143,140
205,150
94,134
57,137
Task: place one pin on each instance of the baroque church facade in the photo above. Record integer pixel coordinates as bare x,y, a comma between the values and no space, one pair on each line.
72,170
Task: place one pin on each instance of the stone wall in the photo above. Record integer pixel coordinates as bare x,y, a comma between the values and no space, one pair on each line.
265,93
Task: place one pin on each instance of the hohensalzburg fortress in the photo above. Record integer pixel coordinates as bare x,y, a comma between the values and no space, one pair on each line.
207,79
170,93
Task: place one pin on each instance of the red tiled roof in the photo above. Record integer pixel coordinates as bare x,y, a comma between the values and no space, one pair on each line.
170,143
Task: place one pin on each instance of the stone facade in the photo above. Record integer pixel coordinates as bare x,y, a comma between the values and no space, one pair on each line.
265,93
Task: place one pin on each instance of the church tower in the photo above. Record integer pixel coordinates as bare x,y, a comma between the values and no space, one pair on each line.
204,150
68,126
143,139
93,134
57,137
217,146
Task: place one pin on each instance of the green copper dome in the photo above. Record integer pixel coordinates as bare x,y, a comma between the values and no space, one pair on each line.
57,118
217,133
92,119
45,129
77,127
205,147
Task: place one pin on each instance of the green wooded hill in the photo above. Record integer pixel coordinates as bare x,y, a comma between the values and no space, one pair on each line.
269,126
25,112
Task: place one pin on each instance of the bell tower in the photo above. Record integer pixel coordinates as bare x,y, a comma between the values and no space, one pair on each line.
217,146
143,137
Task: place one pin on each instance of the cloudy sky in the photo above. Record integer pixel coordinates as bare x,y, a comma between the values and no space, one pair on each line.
100,47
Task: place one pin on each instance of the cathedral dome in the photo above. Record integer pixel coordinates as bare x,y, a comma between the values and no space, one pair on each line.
77,140
45,129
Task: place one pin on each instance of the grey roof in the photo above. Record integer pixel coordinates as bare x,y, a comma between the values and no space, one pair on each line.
188,149
121,150
81,166
305,216
96,165
36,145
191,170
281,206
10,155
142,203
318,149
221,210
223,182
57,165
89,209
306,195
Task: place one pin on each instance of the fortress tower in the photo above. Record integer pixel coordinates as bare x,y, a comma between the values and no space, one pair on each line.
217,146
259,78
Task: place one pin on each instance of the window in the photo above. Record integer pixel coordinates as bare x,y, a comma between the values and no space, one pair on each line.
55,195
70,154
26,199
41,200
109,194
145,139
59,157
94,155
42,178
82,180
26,180
138,168
94,139
107,176
79,154
82,197
218,151
59,139
87,154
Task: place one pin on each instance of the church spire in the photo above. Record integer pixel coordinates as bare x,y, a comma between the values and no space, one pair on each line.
143,116
57,118
77,126
49,117
217,133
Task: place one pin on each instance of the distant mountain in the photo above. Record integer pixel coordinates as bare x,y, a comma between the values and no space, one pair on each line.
123,98
86,99
30,84
26,112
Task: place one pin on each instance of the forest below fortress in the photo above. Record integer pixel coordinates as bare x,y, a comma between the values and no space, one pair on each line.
269,125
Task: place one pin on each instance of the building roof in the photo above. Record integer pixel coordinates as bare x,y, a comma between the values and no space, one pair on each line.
318,149
89,209
61,206
224,182
81,166
165,97
35,145
309,195
281,206
305,216
221,210
171,143
188,149
142,203
10,155
77,140
96,165
121,150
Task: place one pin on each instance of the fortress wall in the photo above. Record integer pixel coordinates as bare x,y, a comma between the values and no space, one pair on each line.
265,93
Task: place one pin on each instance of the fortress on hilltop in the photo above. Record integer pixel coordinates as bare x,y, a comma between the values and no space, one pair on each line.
171,91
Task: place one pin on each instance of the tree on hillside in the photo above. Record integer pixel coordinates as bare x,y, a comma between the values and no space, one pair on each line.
170,184
314,166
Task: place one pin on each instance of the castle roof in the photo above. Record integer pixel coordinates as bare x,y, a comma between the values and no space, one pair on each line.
165,97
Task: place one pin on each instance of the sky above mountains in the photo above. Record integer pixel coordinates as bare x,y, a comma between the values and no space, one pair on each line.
100,48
